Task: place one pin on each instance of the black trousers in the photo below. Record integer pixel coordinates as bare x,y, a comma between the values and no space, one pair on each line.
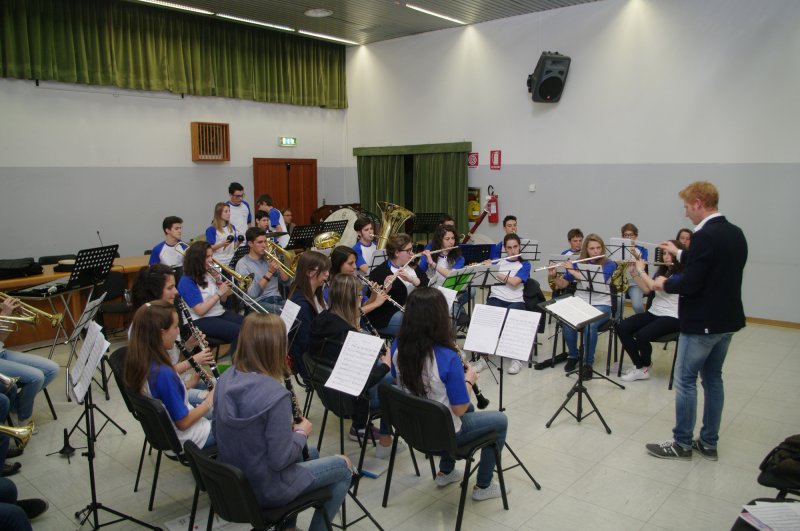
637,331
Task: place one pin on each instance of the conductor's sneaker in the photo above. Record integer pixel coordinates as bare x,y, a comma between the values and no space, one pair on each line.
586,373
515,367
669,450
492,491
636,374
705,451
33,507
571,364
480,365
443,480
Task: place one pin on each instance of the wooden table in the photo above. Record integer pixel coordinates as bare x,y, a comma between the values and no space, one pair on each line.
43,332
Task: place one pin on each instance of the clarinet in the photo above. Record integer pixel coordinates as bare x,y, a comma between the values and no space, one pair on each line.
204,376
195,331
483,402
372,330
297,415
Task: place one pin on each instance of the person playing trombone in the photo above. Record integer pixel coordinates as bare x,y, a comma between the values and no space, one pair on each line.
267,274
203,289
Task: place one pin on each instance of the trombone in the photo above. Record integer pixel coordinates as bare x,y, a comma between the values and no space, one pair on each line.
216,270
243,282
32,314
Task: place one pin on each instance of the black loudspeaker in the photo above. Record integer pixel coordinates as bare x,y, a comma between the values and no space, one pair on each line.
548,80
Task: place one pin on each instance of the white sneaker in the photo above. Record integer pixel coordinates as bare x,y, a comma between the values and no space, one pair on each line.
442,480
636,374
480,365
492,491
383,452
515,367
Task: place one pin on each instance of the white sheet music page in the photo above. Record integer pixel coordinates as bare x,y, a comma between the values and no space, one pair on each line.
484,328
93,347
289,314
574,311
594,272
449,295
358,356
519,333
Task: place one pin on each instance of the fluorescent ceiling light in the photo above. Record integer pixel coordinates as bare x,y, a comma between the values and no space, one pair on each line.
257,22
427,12
323,36
177,6
318,13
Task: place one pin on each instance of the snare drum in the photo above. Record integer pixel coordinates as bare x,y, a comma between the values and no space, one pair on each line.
349,236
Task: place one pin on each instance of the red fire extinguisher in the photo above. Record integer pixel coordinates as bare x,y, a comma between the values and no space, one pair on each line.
494,209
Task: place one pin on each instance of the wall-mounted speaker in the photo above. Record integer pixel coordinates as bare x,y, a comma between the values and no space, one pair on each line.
548,79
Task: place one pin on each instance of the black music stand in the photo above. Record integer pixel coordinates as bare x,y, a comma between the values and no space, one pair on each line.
303,236
474,254
426,223
338,226
528,249
377,259
238,254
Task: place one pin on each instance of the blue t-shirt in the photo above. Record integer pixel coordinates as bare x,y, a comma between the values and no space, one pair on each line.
166,385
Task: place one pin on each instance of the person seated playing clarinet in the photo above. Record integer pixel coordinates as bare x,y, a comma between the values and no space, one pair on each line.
426,363
267,274
203,289
259,431
637,331
398,280
329,331
343,262
312,272
150,372
593,247
157,282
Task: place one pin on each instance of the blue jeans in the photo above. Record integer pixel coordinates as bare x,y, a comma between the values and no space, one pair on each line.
35,373
704,355
590,336
636,296
272,303
393,327
330,472
473,425
224,327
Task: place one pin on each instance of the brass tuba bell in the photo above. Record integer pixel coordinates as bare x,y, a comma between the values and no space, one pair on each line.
393,217
326,240
21,434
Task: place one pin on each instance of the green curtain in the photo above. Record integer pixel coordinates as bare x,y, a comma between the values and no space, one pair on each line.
380,178
133,46
440,185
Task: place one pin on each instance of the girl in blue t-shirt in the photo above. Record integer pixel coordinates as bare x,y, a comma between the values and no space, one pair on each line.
426,363
149,371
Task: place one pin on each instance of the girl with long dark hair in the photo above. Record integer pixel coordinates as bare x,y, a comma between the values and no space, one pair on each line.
312,272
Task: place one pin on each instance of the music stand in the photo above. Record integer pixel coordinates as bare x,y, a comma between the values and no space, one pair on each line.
377,259
240,252
529,249
474,254
303,236
426,223
338,226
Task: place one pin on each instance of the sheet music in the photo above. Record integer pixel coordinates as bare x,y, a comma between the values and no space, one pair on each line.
289,314
574,311
449,295
778,516
86,317
519,333
93,347
484,328
594,273
355,362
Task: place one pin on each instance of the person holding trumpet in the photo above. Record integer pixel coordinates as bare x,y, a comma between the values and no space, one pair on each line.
267,273
203,288
34,372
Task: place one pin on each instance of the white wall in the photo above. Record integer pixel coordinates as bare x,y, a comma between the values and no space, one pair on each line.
660,93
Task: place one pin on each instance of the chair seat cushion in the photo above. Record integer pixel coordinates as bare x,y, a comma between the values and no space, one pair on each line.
465,450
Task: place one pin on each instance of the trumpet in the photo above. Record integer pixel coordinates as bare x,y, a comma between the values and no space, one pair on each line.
7,382
35,313
21,434
10,323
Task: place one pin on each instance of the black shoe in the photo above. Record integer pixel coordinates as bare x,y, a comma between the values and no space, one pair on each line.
571,364
669,450
586,372
33,507
9,469
14,452
708,453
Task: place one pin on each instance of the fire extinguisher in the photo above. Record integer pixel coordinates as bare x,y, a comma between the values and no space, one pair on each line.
494,209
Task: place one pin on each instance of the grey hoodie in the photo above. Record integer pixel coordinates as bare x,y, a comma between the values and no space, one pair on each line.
253,429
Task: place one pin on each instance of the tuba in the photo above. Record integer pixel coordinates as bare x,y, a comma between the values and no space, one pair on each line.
393,217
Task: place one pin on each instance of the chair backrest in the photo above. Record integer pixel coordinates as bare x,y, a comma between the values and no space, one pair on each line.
114,286
231,495
156,423
339,403
54,259
117,363
424,424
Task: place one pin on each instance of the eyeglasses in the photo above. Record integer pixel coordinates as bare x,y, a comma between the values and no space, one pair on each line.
628,235
238,196
409,250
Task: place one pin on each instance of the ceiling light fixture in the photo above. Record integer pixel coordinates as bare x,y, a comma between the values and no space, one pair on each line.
177,6
319,12
256,22
328,37
427,12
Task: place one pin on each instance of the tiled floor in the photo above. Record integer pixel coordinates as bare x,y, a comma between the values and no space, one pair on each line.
590,479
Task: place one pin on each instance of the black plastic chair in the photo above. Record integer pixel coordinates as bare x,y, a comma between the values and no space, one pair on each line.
427,426
232,497
115,301
160,434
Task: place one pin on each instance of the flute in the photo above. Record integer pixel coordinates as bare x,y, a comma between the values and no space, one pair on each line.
559,264
379,291
195,331
297,414
204,376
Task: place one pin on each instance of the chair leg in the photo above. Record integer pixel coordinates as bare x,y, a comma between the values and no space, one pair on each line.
210,522
50,403
341,435
322,429
413,460
500,476
433,467
463,498
307,403
194,507
141,462
155,481
389,472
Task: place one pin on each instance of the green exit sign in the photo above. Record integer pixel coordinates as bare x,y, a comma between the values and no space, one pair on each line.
287,141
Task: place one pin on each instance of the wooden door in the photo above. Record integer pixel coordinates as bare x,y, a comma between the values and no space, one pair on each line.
291,183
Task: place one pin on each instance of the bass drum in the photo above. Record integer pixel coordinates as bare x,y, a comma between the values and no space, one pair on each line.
349,236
